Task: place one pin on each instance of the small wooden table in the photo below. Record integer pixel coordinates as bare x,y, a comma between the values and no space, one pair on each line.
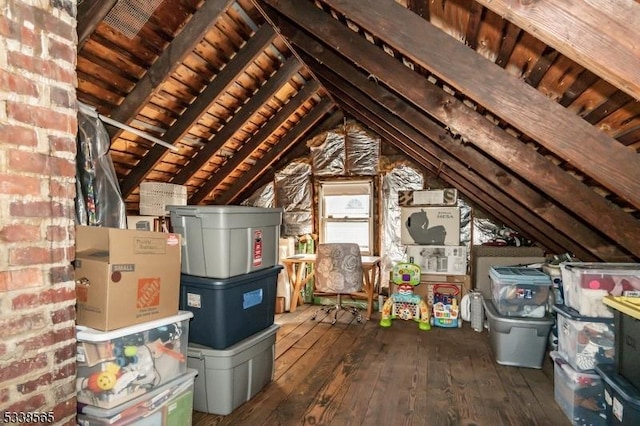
296,266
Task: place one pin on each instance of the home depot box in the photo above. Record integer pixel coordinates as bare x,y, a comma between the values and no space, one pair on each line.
125,277
430,225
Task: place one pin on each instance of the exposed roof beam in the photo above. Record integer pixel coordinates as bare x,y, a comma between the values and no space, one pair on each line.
466,186
557,129
90,14
254,142
601,35
170,59
267,164
534,168
416,143
266,92
225,78
457,155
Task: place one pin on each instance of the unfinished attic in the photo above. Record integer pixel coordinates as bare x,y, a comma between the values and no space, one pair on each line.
336,120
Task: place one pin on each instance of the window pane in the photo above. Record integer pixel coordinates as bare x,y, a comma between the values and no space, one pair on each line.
348,232
349,206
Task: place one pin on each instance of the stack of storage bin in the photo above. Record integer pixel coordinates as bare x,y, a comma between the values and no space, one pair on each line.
519,323
587,338
131,338
622,378
229,282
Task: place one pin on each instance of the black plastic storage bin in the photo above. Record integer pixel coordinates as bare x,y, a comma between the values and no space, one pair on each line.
622,399
226,311
627,347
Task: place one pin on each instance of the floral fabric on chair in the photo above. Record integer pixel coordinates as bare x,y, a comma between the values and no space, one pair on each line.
338,271
338,268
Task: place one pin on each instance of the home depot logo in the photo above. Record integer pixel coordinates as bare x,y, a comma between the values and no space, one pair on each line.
148,292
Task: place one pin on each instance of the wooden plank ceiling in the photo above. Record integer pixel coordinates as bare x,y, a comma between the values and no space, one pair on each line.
529,108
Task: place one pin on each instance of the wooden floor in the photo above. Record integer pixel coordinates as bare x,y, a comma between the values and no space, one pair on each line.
361,374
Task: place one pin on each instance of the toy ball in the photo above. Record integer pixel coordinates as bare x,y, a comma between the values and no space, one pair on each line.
102,381
130,351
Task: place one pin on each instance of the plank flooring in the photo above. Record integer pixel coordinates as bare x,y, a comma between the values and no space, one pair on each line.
355,373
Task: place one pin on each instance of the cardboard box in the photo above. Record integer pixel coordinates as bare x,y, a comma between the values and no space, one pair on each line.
125,277
430,226
428,197
439,260
149,223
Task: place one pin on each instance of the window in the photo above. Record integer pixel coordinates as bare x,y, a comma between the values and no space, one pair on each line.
345,213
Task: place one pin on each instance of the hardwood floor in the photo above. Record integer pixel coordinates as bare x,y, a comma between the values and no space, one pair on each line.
361,374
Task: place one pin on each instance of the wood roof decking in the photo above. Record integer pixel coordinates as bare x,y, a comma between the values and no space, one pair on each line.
536,126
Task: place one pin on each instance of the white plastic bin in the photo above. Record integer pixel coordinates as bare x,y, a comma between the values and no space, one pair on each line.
168,405
114,367
225,241
586,283
230,377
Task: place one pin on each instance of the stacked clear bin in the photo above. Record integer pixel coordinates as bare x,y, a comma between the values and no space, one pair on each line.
589,340
121,372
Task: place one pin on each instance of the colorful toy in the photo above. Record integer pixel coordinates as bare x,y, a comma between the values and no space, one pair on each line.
445,306
405,304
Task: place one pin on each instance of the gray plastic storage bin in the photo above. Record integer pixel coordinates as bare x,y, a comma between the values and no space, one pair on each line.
519,342
225,241
226,311
228,378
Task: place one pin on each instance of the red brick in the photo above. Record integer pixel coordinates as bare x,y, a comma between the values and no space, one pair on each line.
37,209
18,135
61,51
34,403
19,185
37,342
57,233
20,279
61,274
32,162
18,84
8,28
64,354
33,385
62,144
37,116
57,295
66,409
20,233
36,256
62,315
62,189
10,327
24,301
23,366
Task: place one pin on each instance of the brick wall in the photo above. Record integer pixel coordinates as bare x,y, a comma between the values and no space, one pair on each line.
37,174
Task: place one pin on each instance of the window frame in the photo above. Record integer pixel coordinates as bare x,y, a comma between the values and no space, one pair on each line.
350,187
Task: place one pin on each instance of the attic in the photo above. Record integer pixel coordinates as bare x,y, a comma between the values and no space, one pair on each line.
533,125
528,108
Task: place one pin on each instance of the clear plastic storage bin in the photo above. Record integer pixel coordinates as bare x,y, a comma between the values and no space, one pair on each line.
580,395
114,367
519,292
584,341
586,283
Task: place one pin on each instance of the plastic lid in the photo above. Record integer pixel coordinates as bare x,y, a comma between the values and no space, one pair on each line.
568,312
627,305
603,267
86,334
621,385
521,275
